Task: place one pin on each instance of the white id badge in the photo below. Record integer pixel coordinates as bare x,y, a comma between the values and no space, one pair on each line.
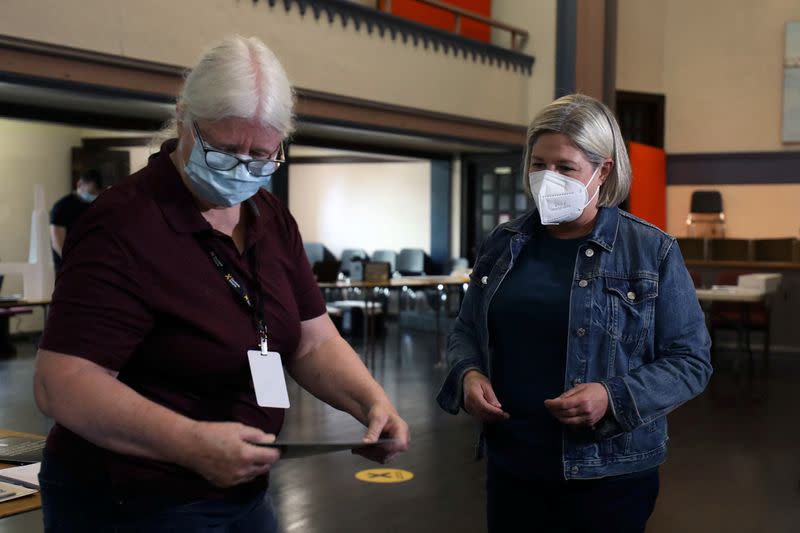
268,379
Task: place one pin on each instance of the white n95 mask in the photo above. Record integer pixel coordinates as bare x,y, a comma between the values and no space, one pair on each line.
559,198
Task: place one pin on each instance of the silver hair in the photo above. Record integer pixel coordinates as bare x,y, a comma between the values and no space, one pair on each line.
592,128
238,77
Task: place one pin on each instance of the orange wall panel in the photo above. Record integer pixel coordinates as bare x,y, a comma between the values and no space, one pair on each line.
648,198
444,20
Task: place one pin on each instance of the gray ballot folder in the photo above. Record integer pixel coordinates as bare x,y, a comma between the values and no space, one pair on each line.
297,449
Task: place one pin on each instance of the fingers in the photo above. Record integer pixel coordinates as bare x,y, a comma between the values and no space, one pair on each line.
574,390
258,455
561,409
489,395
377,454
255,435
376,425
477,405
582,420
480,400
584,404
389,425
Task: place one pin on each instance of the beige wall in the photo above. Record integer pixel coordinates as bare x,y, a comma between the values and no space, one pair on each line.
316,54
539,19
640,45
31,153
720,65
764,211
363,205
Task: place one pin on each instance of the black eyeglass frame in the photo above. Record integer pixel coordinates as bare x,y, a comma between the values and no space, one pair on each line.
207,149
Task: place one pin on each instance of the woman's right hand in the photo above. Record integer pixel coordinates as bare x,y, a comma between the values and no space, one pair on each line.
224,454
480,400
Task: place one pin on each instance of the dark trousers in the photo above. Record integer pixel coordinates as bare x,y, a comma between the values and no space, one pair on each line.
609,505
68,507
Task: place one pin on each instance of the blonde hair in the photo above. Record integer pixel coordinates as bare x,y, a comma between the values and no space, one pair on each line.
238,77
592,128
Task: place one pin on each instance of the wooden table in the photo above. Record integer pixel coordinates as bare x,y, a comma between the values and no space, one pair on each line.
398,283
744,297
24,303
731,294
26,503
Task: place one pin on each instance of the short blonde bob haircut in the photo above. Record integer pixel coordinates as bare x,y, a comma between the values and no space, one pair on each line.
592,128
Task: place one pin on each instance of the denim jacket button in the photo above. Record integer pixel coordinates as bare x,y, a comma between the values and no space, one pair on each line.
583,283
589,252
631,295
577,381
575,469
581,332
484,280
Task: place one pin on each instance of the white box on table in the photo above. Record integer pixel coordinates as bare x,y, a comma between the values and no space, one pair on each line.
764,282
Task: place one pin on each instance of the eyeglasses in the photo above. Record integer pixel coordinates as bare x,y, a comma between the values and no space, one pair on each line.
219,160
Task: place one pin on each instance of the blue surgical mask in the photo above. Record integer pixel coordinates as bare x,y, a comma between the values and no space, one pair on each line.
86,196
221,187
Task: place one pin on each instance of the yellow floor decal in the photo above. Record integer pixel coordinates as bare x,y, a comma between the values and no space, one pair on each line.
384,475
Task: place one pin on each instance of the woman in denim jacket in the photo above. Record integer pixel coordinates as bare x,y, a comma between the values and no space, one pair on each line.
579,332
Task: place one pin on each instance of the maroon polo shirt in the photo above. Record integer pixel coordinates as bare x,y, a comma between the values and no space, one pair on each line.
138,294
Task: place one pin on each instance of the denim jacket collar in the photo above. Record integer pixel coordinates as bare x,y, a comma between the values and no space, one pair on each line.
604,233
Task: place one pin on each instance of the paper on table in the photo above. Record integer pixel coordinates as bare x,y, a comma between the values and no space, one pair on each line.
295,449
11,492
27,476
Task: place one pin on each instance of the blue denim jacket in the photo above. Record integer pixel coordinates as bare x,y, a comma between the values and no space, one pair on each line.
635,325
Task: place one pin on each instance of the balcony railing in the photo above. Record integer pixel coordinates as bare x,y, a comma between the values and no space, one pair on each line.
369,14
519,36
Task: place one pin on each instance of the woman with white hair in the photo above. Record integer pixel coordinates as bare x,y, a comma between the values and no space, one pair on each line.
184,290
579,332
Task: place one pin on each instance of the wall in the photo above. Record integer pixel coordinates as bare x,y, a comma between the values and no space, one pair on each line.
30,153
363,205
539,19
720,66
640,45
317,55
751,211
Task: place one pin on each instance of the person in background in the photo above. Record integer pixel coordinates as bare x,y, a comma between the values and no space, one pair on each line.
184,293
68,209
580,330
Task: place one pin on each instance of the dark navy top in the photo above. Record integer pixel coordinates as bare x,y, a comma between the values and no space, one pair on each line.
528,323
65,213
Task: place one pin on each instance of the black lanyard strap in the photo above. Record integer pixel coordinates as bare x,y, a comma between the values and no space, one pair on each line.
238,288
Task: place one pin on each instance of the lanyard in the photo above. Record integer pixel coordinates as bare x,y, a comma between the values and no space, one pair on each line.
238,288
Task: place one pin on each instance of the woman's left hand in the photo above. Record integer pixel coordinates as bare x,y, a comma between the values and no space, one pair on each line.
384,422
582,405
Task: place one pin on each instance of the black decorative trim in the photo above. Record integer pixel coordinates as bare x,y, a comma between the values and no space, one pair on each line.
733,168
407,30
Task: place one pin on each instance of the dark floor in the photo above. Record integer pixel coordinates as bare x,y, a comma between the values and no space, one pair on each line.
734,464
